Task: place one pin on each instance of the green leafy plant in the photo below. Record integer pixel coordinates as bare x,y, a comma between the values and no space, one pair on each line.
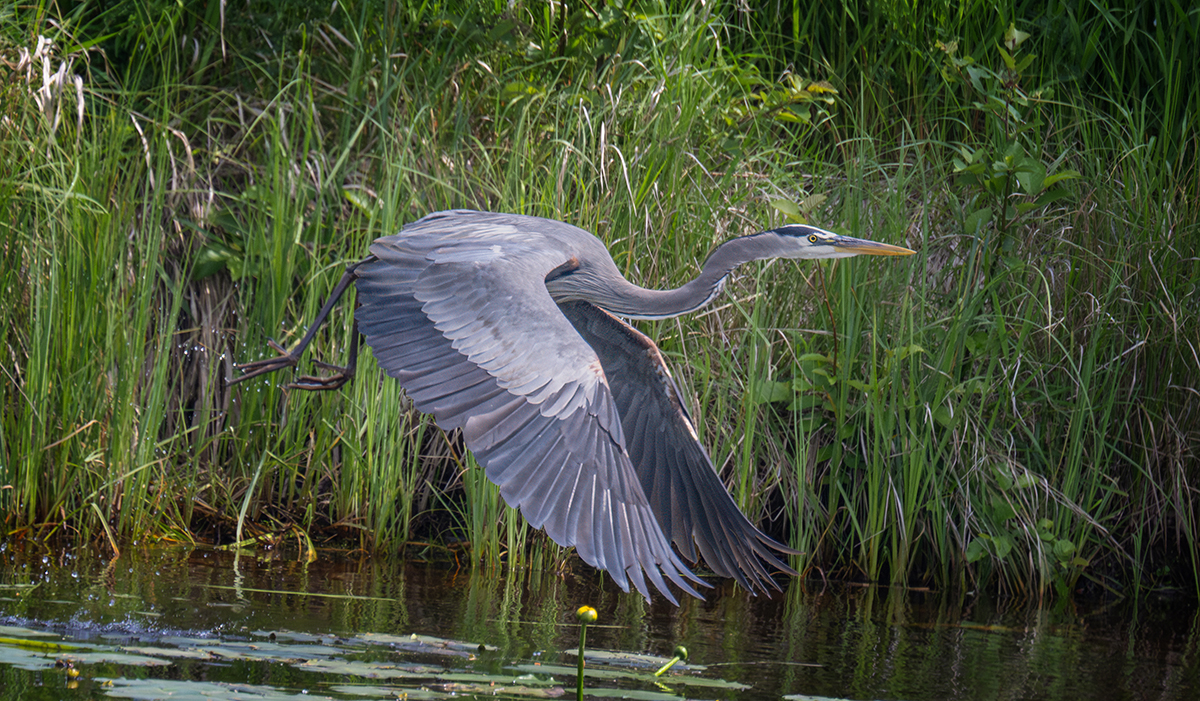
1006,171
1008,514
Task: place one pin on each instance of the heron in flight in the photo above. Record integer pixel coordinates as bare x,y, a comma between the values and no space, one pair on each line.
512,329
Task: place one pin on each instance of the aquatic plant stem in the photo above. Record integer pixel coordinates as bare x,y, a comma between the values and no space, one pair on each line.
586,615
680,653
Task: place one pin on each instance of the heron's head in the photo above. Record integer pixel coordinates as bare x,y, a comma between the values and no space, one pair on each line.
808,242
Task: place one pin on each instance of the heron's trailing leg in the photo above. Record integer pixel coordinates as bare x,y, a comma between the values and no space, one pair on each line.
287,359
341,374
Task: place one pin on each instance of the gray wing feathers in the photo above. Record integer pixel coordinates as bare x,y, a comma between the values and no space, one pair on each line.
470,331
695,510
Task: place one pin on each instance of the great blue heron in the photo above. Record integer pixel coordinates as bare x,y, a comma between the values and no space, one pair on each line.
510,328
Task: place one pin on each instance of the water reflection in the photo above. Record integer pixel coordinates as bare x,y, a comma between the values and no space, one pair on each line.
843,642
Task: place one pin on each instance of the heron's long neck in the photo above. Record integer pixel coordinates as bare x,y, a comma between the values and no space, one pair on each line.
638,302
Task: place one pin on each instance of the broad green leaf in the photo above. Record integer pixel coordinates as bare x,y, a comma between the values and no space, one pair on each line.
1002,510
1014,37
1031,176
807,402
211,259
977,220
822,378
801,116
903,352
360,199
770,391
977,549
945,416
1009,63
1051,196
1003,477
788,208
1061,175
813,358
809,204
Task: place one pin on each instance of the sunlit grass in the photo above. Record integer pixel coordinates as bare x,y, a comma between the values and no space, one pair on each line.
1013,409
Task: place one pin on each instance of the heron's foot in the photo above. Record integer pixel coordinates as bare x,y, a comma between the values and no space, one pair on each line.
341,375
285,359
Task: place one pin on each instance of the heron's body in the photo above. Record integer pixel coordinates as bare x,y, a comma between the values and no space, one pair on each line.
508,327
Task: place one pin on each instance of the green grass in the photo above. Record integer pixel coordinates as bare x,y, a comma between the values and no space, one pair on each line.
1015,407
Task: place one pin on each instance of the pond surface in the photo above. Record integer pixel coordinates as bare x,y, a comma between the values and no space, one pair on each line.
191,623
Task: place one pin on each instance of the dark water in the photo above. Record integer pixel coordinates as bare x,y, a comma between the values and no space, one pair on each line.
205,619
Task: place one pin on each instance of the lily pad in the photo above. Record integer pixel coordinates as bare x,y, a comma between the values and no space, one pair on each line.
293,636
637,694
458,689
178,690
23,658
424,643
369,670
100,656
19,632
593,673
171,653
806,697
629,659
272,652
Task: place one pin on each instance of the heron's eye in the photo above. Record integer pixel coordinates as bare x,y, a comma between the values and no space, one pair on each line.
812,238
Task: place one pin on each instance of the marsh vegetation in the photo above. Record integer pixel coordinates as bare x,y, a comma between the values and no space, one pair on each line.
1014,408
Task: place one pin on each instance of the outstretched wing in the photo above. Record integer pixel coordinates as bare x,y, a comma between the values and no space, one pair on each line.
455,307
693,506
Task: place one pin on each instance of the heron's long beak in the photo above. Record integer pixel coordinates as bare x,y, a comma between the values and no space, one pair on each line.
850,244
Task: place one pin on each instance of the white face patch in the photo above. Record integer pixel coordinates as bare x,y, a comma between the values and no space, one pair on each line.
823,251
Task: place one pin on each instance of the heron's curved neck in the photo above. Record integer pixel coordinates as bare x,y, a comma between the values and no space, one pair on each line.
636,302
